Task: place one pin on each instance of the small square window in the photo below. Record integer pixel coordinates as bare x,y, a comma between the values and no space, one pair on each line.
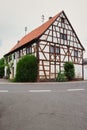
63,36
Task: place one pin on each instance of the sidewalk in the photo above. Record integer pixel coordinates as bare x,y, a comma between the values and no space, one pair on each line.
3,81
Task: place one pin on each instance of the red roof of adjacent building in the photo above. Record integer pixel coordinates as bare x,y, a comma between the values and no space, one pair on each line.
35,33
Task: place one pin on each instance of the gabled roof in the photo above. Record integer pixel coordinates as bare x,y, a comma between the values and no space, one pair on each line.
35,33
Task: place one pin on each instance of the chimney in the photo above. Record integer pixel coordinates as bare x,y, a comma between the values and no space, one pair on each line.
18,41
50,17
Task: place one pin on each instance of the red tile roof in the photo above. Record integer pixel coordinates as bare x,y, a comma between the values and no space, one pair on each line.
35,33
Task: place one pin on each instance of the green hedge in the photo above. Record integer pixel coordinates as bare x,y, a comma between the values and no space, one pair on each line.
27,69
1,68
69,70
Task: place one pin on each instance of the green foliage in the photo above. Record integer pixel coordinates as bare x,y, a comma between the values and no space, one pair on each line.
69,70
1,68
61,77
8,72
27,69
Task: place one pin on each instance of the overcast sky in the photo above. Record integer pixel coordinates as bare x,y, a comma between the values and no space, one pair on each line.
16,14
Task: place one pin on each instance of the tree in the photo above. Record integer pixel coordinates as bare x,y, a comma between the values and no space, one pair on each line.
27,69
69,70
1,67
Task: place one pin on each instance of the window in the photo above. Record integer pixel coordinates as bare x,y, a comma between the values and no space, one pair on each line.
18,54
57,50
51,49
63,36
54,49
29,50
76,53
24,51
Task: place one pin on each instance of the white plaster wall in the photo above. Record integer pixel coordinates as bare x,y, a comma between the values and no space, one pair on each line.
5,70
85,72
78,71
15,64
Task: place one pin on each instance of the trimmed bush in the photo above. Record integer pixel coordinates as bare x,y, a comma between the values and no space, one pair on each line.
27,69
69,70
61,77
1,68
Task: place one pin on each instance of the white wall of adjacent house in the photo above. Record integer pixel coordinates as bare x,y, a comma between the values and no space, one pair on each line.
78,71
85,72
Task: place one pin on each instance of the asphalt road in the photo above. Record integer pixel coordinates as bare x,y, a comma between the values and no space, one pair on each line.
43,106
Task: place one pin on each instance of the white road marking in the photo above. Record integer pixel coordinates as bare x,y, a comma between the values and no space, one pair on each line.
70,90
3,91
34,91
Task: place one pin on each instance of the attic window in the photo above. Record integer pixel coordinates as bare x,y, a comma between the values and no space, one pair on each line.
63,36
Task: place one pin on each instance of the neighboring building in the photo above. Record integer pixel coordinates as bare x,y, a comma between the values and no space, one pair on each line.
85,68
53,43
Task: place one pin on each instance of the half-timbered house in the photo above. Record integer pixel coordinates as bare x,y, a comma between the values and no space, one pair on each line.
53,43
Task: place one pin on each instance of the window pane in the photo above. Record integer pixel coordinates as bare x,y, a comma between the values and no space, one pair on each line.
29,50
63,36
52,49
76,53
57,50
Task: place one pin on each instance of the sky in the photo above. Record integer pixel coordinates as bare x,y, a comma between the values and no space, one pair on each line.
15,15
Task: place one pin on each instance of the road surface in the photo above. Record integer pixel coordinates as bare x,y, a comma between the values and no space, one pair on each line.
43,106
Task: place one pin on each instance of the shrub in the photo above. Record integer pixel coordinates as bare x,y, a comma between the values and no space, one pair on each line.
61,77
69,70
1,68
8,72
27,69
